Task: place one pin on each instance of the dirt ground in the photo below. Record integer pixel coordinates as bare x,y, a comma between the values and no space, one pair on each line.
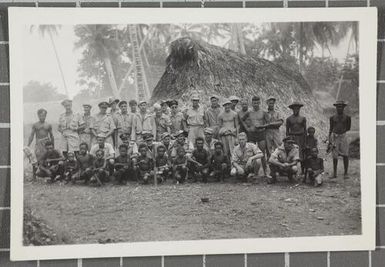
134,212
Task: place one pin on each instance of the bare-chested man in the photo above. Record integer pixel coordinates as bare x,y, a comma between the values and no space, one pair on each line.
340,123
257,132
42,131
296,127
228,127
241,113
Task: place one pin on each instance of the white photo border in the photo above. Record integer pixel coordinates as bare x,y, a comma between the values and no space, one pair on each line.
367,19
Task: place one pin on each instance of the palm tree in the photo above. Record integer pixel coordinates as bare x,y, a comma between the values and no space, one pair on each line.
52,30
99,41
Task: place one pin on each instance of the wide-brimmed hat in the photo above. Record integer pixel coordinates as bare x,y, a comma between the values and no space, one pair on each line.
226,101
295,104
340,103
234,98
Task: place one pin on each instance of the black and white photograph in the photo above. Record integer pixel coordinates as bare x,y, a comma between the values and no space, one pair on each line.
234,127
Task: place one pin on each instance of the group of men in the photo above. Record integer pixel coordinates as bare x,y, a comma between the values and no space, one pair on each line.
130,141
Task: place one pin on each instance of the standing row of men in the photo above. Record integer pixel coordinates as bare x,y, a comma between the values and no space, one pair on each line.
224,124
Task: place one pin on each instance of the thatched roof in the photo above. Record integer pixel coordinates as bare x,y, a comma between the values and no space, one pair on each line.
197,67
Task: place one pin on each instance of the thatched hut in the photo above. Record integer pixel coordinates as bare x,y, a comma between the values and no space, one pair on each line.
200,68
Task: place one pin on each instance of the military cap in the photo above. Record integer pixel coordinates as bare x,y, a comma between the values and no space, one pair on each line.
157,106
142,102
172,103
122,102
66,101
103,104
101,135
178,133
164,135
289,139
87,105
112,101
214,96
123,135
148,136
271,98
233,98
195,97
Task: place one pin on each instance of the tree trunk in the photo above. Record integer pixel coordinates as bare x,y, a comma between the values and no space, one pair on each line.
58,63
110,74
301,47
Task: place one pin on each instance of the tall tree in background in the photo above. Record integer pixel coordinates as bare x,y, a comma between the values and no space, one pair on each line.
52,30
99,41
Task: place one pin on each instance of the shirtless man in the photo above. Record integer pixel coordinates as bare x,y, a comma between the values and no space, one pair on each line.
241,113
296,128
340,123
257,131
228,127
43,133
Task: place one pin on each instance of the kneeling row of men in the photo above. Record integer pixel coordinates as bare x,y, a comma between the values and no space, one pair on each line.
158,162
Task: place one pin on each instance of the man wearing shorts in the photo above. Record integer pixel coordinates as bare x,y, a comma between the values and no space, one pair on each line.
340,123
70,124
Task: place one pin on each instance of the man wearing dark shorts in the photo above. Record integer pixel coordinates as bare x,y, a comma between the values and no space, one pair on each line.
255,124
296,128
339,125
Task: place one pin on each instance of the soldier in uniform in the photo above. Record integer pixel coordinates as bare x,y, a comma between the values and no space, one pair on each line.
176,117
162,122
125,121
70,124
209,140
86,133
211,115
103,124
246,159
194,120
274,121
340,123
181,141
296,127
146,121
284,160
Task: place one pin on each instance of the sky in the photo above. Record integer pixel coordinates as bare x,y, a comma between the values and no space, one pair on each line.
40,63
